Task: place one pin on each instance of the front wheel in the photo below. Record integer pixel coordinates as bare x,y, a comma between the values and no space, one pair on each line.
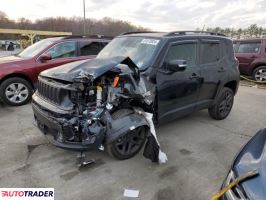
223,106
129,144
15,91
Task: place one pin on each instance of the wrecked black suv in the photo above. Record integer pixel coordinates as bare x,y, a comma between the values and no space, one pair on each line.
104,102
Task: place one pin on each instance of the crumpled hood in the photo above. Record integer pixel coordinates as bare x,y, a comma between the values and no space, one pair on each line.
93,68
253,157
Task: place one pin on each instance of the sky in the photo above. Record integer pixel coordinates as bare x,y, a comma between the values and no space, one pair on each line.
158,15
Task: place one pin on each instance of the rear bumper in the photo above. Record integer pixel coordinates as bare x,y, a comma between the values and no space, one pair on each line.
56,132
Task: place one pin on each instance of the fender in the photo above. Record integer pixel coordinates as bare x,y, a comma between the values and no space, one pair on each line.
119,127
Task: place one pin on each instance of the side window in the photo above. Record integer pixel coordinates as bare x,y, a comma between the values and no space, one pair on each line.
186,51
253,47
210,52
235,47
89,48
104,44
63,50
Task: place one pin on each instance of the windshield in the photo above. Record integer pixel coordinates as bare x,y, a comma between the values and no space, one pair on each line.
34,49
140,50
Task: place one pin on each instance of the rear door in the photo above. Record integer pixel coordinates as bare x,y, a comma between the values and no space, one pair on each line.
246,53
213,70
178,92
90,49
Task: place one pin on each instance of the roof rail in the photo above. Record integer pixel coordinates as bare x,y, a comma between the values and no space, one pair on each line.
133,32
100,36
193,32
88,36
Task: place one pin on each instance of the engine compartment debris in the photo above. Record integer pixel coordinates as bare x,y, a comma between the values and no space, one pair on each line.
108,104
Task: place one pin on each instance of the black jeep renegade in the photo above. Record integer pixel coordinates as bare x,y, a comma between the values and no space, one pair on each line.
86,104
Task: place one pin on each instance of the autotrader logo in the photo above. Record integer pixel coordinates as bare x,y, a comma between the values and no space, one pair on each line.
27,193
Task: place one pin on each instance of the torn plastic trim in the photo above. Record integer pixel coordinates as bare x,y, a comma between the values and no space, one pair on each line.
162,157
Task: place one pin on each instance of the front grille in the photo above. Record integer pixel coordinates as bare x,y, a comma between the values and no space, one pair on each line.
236,193
50,92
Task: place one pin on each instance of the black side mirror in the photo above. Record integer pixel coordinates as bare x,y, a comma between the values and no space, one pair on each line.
45,57
176,65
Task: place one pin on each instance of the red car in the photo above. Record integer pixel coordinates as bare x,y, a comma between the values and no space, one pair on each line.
252,57
19,73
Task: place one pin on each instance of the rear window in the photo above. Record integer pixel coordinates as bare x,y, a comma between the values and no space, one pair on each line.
249,47
90,48
210,52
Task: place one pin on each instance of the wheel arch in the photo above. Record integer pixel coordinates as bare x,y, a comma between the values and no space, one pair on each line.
17,75
232,85
255,66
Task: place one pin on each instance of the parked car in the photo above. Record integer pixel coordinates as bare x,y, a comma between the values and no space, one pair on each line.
82,105
252,57
19,73
251,158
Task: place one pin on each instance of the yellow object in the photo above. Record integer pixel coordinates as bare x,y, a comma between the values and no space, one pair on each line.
99,88
252,80
234,183
32,33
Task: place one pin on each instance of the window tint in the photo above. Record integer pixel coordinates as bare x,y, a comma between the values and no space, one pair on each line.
210,52
90,48
104,44
253,47
63,50
183,52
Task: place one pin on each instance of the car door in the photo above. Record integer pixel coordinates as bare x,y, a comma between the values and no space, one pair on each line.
246,53
177,92
61,53
213,72
90,49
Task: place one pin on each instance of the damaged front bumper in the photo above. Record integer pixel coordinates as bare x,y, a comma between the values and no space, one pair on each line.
56,132
59,130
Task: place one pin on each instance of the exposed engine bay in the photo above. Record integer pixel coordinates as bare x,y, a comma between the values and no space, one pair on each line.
104,105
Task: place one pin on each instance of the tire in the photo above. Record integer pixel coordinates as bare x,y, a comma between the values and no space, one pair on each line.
15,91
224,104
259,74
128,145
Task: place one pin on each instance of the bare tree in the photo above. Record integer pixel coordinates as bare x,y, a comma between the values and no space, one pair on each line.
252,31
105,26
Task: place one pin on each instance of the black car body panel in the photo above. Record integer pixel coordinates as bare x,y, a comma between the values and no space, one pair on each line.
88,93
251,157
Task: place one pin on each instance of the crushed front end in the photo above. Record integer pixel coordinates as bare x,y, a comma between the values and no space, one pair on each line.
76,109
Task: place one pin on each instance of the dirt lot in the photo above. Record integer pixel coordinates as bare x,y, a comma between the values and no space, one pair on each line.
200,151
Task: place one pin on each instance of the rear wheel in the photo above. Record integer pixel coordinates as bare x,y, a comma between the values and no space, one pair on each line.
15,91
259,74
129,144
223,106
